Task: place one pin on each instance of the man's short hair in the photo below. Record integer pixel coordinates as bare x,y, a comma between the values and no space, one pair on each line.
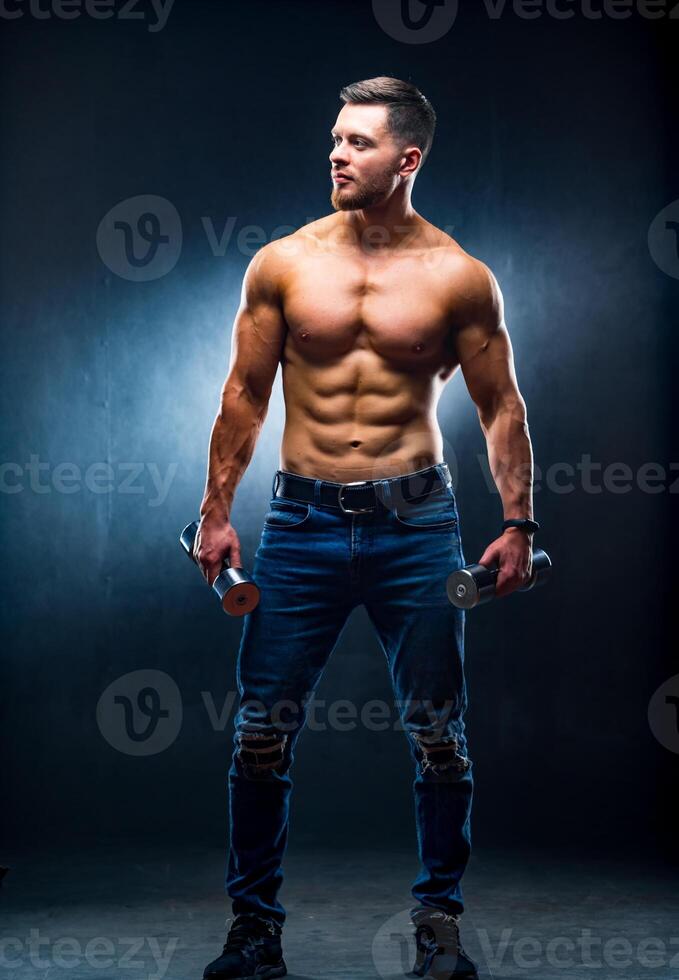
411,119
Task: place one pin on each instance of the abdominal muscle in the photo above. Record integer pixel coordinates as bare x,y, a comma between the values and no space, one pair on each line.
358,419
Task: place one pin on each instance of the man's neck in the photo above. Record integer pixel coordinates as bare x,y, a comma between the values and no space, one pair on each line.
386,228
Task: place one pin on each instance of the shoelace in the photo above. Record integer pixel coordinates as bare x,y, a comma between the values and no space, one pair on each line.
241,934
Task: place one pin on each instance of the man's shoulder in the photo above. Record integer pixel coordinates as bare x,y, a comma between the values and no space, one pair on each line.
271,263
460,264
279,255
470,279
471,287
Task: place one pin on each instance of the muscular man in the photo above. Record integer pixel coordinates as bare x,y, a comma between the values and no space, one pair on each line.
370,311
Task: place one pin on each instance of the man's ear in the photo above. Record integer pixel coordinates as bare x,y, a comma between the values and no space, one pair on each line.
412,155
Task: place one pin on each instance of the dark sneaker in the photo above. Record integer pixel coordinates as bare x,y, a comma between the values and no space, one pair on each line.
252,951
439,952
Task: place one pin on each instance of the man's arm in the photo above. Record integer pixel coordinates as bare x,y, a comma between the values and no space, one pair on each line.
485,354
256,347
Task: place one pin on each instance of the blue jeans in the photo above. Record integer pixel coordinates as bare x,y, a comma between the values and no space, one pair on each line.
314,565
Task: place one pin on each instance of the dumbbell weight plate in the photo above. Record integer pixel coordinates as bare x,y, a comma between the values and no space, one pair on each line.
237,592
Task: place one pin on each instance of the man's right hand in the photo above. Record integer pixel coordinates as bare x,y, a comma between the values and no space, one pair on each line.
216,542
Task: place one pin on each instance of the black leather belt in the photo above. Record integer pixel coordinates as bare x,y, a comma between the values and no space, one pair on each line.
362,496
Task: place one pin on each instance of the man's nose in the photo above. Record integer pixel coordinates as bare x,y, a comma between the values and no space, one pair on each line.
337,154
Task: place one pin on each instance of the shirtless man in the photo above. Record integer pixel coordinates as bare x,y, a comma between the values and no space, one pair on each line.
370,311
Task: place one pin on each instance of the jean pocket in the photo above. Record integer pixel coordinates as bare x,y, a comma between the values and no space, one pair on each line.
437,511
286,513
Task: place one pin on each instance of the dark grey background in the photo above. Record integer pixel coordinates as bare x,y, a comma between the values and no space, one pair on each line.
555,149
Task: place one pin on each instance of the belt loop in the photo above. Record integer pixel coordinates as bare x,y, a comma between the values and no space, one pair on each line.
317,493
385,493
274,485
396,493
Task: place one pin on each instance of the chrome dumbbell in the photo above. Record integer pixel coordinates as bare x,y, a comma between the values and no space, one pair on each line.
474,584
237,592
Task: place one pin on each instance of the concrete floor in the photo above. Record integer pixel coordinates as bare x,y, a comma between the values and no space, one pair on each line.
159,913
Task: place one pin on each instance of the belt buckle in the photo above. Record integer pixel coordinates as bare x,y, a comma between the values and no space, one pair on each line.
359,510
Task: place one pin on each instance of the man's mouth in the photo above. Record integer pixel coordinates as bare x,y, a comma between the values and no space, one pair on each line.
341,178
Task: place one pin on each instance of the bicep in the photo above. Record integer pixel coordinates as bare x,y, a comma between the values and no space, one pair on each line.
484,351
258,333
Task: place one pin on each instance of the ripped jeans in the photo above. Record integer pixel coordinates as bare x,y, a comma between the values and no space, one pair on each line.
314,565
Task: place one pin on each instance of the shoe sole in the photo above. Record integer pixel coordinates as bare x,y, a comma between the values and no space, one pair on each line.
456,976
268,973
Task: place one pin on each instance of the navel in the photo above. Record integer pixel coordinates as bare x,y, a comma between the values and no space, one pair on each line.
418,347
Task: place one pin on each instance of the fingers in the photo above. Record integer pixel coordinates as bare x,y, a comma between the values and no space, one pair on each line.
506,584
510,578
195,554
490,557
514,567
213,570
233,555
214,549
210,567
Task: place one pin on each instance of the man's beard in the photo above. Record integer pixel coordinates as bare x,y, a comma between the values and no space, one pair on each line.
344,197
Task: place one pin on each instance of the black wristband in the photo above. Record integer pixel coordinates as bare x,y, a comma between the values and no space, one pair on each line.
523,522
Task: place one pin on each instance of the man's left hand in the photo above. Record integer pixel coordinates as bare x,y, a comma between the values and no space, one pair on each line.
512,552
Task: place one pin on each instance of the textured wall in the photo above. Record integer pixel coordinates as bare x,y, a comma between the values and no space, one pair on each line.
551,159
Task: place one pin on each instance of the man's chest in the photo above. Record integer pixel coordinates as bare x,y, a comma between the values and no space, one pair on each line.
399,307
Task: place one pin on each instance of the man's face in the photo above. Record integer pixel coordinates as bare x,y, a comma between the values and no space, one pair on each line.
365,151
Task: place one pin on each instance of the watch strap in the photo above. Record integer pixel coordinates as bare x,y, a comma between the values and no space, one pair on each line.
523,522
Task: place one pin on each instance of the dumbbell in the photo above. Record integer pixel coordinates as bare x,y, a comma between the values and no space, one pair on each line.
474,584
236,590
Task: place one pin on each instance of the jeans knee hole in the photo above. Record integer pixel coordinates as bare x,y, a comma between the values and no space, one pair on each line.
440,754
261,754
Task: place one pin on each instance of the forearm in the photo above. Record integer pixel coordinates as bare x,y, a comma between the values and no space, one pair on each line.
232,443
510,456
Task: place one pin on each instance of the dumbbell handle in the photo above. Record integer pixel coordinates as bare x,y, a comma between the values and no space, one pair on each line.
236,590
187,540
474,584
